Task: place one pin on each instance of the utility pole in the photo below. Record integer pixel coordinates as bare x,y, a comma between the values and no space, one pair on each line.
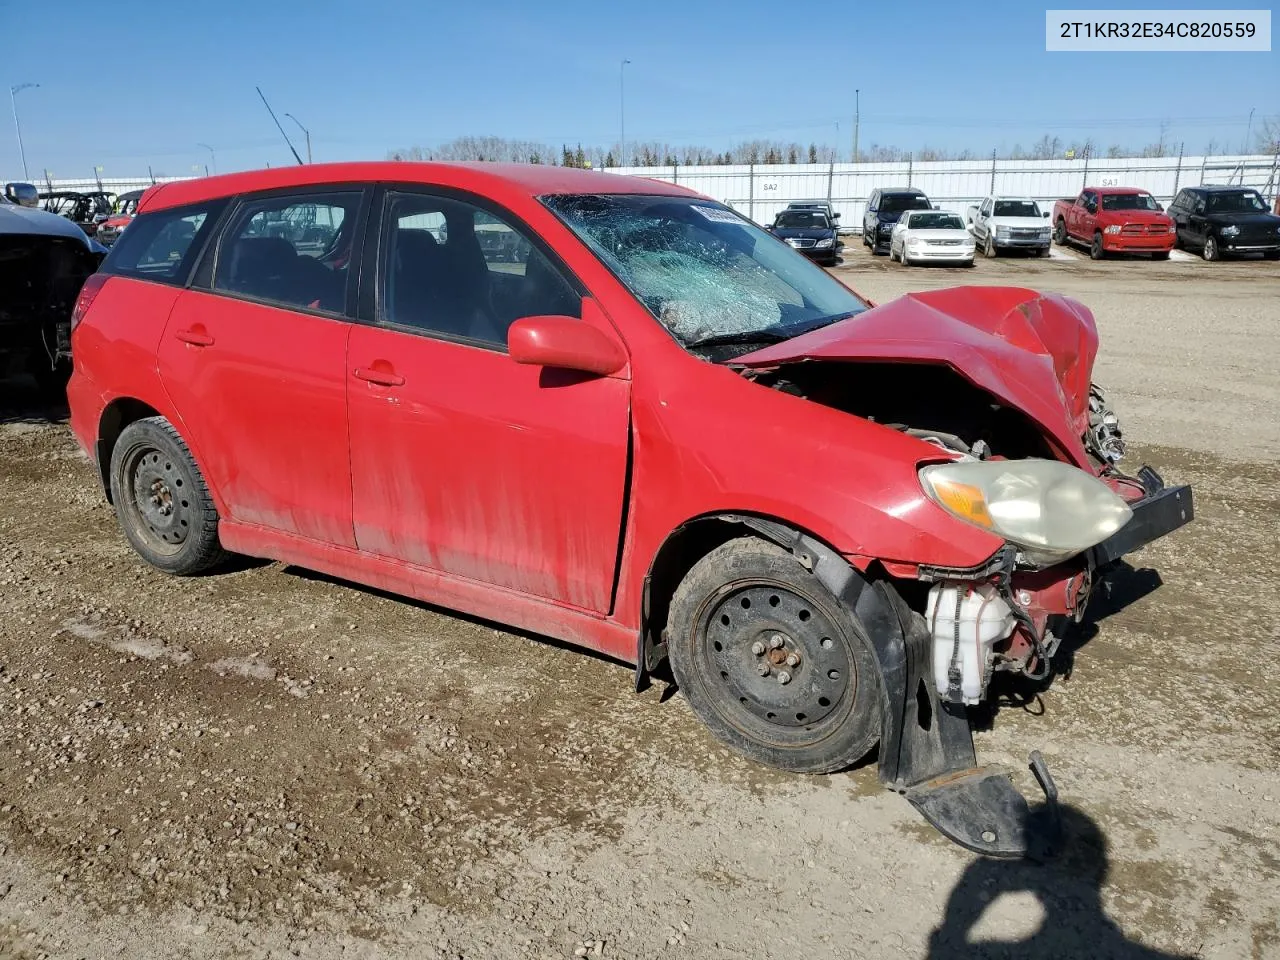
213,158
857,120
305,132
1248,130
13,102
622,113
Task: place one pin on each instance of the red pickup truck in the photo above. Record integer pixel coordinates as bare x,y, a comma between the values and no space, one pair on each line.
1114,220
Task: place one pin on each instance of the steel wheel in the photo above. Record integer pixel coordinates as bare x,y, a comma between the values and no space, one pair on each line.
771,662
161,499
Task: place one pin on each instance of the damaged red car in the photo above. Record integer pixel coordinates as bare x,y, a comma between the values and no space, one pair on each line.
657,431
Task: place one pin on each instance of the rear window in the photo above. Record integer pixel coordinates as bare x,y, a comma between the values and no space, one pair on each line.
163,246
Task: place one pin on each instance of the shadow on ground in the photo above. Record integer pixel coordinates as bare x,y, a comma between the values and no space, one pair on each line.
1069,889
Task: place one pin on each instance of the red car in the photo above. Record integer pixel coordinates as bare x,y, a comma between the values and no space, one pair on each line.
657,431
1114,220
126,208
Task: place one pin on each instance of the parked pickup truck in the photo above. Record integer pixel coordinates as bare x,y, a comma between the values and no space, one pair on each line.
1000,224
1114,220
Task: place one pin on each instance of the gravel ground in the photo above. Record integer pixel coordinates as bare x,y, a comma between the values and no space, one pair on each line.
264,762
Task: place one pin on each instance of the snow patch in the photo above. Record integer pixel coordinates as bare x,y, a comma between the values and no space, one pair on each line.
117,639
251,668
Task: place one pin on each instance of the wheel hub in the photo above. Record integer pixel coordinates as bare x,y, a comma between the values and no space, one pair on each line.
160,497
778,655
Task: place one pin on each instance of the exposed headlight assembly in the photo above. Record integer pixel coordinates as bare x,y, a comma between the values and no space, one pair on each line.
1050,510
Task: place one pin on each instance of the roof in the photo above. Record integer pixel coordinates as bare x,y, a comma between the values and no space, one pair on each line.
518,178
902,190
1222,188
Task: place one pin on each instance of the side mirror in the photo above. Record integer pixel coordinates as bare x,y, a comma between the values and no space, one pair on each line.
564,342
1045,214
23,194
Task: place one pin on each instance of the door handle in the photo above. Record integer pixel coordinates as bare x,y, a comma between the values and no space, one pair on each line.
195,337
384,378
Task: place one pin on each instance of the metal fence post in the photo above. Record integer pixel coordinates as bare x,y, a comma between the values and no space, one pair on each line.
831,172
1204,162
910,167
675,173
1177,174
751,191
993,173
1084,180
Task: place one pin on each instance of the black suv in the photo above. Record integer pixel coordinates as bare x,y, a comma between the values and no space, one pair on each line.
884,207
1219,221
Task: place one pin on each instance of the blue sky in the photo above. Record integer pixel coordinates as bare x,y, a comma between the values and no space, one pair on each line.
370,76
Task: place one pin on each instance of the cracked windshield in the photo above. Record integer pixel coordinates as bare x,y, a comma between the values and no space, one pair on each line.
707,274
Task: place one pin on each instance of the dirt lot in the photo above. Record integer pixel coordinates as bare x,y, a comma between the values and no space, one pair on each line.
268,763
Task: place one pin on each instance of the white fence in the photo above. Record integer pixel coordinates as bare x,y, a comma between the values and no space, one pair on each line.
761,190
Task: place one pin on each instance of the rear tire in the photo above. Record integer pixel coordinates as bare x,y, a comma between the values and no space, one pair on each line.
1096,250
772,663
161,499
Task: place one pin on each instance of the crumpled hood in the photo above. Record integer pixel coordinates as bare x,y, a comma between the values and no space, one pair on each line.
1033,351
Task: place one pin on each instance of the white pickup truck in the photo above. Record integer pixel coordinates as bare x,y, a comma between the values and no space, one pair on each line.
1009,223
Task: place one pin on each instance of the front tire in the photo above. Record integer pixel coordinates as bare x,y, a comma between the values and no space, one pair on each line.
1211,251
1060,233
989,248
1096,249
161,499
772,662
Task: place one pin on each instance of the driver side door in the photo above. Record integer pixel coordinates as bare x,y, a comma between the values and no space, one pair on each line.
463,461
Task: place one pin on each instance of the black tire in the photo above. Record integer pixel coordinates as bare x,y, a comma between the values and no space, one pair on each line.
1043,253
743,598
1272,254
1096,250
1162,255
161,499
1060,233
1211,251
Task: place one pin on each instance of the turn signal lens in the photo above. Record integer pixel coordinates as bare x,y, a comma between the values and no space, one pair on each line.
964,500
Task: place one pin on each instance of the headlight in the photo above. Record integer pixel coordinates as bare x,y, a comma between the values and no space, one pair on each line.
1051,510
823,243
1230,231
913,241
1044,233
1002,231
1114,228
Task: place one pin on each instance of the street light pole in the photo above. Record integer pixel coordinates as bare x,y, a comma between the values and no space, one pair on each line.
13,102
213,157
305,132
857,120
622,112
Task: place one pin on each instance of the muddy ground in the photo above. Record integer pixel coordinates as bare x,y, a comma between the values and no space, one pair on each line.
264,762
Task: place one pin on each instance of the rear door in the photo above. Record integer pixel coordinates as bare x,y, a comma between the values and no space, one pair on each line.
253,358
464,461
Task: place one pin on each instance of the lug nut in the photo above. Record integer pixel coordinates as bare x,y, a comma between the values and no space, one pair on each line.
784,677
777,640
763,669
758,648
793,660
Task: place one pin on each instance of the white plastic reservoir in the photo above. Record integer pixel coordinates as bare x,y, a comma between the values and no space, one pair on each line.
984,620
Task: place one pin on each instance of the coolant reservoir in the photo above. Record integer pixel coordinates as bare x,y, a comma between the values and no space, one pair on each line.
983,619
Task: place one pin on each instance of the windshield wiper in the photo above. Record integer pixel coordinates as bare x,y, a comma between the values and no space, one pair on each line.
746,336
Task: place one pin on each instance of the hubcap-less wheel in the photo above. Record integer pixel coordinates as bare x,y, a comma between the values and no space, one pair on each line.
777,658
1210,249
159,499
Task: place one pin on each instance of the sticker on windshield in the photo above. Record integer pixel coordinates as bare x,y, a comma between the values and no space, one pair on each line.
718,215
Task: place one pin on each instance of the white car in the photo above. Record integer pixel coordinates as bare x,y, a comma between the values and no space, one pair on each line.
1010,223
931,236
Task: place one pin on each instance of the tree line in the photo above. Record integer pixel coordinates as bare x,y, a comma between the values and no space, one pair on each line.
656,153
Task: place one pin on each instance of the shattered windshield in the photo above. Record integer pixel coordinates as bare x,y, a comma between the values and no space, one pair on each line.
703,271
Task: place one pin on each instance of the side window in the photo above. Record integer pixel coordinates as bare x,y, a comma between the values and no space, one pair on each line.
161,246
1180,201
986,207
290,250
874,203
1198,203
451,268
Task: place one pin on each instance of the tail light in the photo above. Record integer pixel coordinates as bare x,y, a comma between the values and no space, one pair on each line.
88,293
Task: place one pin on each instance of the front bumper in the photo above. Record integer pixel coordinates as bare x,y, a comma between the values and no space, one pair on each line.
1120,243
940,254
1022,243
1162,511
1248,246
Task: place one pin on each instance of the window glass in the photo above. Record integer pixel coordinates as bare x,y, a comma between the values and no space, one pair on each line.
160,246
293,251
1017,208
454,269
709,276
